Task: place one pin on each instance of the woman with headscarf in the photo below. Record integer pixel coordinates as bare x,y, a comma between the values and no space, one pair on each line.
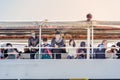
81,52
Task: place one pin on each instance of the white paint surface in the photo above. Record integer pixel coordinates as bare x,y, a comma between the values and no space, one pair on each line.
63,69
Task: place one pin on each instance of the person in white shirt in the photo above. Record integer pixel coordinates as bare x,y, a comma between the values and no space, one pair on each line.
71,50
111,54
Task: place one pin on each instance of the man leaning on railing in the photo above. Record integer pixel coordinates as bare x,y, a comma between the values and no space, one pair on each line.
33,41
57,42
118,51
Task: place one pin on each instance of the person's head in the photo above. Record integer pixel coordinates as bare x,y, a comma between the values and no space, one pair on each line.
82,44
26,49
104,42
113,47
57,35
45,40
8,45
89,17
72,42
118,44
2,50
33,34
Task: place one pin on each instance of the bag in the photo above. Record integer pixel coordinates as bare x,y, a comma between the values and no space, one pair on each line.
46,56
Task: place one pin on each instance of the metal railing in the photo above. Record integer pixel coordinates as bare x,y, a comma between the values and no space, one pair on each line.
39,52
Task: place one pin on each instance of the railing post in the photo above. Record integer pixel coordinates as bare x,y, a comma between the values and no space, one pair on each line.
92,52
39,41
40,34
88,43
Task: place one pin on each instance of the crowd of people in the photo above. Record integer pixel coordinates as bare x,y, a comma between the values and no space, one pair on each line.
58,48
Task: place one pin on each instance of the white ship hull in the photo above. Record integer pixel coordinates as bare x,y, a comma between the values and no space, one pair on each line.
60,69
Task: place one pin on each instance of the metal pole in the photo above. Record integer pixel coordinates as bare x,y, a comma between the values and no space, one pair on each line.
40,34
88,43
39,41
92,38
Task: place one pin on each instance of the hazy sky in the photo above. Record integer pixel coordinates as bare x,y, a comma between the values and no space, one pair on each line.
59,10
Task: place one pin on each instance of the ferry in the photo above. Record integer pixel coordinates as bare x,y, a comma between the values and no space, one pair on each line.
92,32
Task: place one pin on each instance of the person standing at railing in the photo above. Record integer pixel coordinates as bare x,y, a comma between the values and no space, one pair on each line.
12,52
46,52
118,51
71,49
100,51
5,56
56,43
1,54
33,41
111,53
81,52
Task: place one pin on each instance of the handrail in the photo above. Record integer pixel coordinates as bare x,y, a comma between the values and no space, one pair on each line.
55,48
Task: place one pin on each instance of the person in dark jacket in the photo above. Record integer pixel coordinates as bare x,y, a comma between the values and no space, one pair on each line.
118,51
33,41
81,52
100,51
57,42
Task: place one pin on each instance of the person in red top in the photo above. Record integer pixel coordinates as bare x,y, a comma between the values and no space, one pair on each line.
46,52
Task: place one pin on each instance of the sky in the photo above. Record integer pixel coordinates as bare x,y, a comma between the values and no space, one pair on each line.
59,10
